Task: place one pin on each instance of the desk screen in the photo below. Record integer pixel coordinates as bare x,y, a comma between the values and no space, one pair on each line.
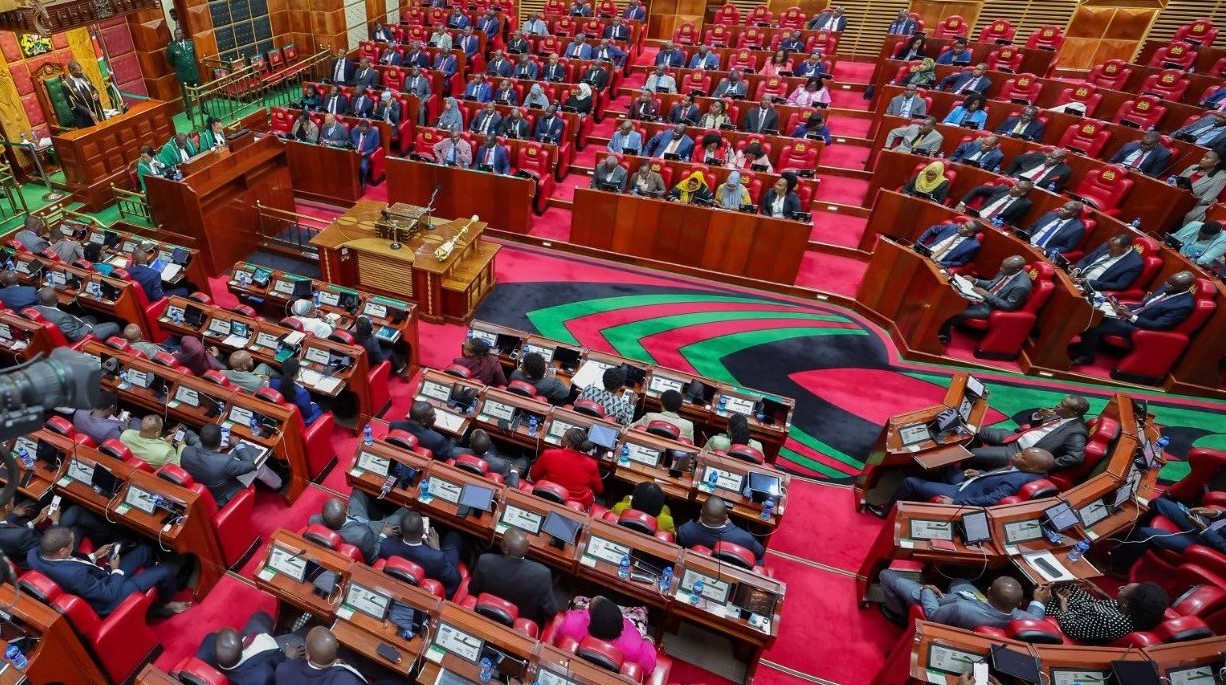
525,520
1022,531
488,336
546,677
458,642
713,589
950,660
932,530
1093,512
607,550
373,463
140,498
368,601
1066,676
436,391
558,427
739,405
186,395
81,471
266,340
140,379
287,563
660,384
219,327
497,410
642,454
1197,675
444,490
546,352
6,332
283,287
318,355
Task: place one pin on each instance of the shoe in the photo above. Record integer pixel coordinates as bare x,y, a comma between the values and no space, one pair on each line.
892,617
943,338
1082,360
877,510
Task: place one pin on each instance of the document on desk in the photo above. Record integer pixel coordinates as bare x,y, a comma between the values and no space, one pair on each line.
1050,560
309,376
236,341
261,455
329,384
171,270
590,372
965,287
452,423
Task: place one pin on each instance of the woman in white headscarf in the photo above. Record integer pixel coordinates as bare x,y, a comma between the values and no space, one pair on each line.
303,311
731,194
580,100
450,118
536,98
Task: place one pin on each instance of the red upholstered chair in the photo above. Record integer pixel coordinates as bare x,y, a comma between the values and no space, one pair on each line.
1006,59
1039,632
1175,55
641,522
734,554
1182,629
458,371
1206,466
999,31
759,16
53,331
60,425
550,491
727,15
1199,32
317,436
663,429
792,18
533,159
773,85
153,310
233,523
394,78
1168,84
953,26
743,59
590,408
1105,188
1152,353
120,451
216,378
501,611
399,567
696,81
1006,332
799,156
685,34
1087,95
1022,89
1112,74
1035,489
1143,112
476,466
122,642
1201,600
1103,433
718,36
1046,37
326,537
746,453
1088,137
282,121
193,671
368,49
752,38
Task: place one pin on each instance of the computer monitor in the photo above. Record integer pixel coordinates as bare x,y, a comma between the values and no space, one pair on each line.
1135,673
260,276
193,315
602,435
1060,517
47,453
566,357
303,289
348,301
562,529
180,256
763,485
975,528
240,329
474,499
754,599
104,481
1015,664
975,387
1122,494
110,238
505,344
679,461
506,665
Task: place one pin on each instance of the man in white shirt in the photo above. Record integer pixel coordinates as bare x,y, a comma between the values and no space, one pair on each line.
1113,266
303,309
1060,430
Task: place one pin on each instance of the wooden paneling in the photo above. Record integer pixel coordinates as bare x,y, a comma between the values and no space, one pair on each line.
1026,17
1100,33
1180,12
933,12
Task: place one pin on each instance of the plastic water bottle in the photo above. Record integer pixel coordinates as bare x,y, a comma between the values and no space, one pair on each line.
696,592
768,508
1171,179
487,670
1052,186
470,334
623,457
1136,224
368,435
666,579
16,657
941,155
425,488
723,402
1079,550
533,425
176,316
316,299
712,477
997,221
255,427
24,454
1160,446
623,568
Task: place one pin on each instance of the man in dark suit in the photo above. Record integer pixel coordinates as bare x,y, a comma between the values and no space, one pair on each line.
492,157
1008,204
984,153
321,665
554,71
1147,155
486,121
518,45
489,24
445,63
336,102
812,66
14,295
976,488
418,83
354,523
150,280
478,89
420,423
792,42
438,557
608,52
685,111
74,328
418,56
713,526
1207,131
82,97
468,42
514,125
705,58
635,11
952,244
578,48
763,118
366,75
618,30
1025,126
967,82
670,142
1007,291
1045,169
361,104
1113,266
333,132
365,139
609,175
1059,231
1160,310
252,656
19,533
342,68
596,76
499,65
525,583
130,572
903,25
1060,430
457,19
391,57
828,20
214,469
733,86
388,111
670,56
550,127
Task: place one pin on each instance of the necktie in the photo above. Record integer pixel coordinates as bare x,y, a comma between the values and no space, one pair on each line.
361,139
1146,305
1021,126
339,73
1047,233
183,154
451,155
485,125
1014,437
1000,283
906,106
761,120
1140,157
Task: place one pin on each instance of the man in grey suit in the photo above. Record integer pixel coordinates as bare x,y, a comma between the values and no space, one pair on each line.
963,606
1007,292
354,524
1061,430
908,104
333,133
609,175
922,137
74,328
214,470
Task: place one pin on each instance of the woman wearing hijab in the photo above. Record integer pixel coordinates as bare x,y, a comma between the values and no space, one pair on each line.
450,118
580,100
751,156
192,355
930,183
1208,179
714,152
814,127
603,620
715,117
969,114
536,98
692,189
731,194
923,76
812,94
780,201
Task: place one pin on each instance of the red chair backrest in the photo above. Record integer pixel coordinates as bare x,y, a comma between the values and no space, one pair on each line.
601,653
405,570
1199,32
640,521
999,29
496,609
1049,37
953,25
1105,186
323,535
1110,74
1004,59
733,554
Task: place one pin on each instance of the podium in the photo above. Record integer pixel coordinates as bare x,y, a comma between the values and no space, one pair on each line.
356,251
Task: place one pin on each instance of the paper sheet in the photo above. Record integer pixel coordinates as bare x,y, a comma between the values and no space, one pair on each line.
589,373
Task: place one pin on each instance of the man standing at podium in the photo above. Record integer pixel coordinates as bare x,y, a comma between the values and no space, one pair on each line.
182,56
82,97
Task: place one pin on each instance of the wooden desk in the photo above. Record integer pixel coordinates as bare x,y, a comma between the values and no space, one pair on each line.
327,174
216,202
503,202
1034,60
496,406
460,630
57,654
35,482
352,255
113,298
152,675
597,550
301,594
21,339
528,512
94,158
757,632
131,236
442,390
363,633
717,174
728,242
553,661
911,294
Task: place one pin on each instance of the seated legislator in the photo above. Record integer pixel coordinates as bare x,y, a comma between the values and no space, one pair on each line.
957,54
1197,526
603,620
1207,131
73,327
484,367
715,117
33,233
321,666
1044,169
534,371
828,20
550,127
335,103
219,471
525,583
453,151
965,83
929,183
417,84
514,125
660,81
907,104
480,445
578,49
732,86
148,445
738,434
643,107
354,524
752,157
305,130
814,127
596,76
312,99
572,466
923,75
105,589
580,101
625,139
1206,180
178,150
1060,430
762,119
244,373
68,248
287,384
647,182
449,118
1091,620
685,111
670,144
1003,204
361,105
921,137
793,42
732,194
609,175
19,528
213,137
781,201
365,76
365,139
438,556
100,423
252,656
705,59
1114,265
969,114
963,606
492,156
499,65
334,133
1148,155
1203,242
150,165
648,497
193,355
149,280
478,90
1006,291
1160,310
670,405
811,68
1058,231
812,94
975,488
486,121
554,71
14,295
1024,126
420,422
442,40
952,244
693,190
984,153
713,526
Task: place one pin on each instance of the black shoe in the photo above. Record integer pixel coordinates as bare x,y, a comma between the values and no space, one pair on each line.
944,338
1082,360
877,510
892,617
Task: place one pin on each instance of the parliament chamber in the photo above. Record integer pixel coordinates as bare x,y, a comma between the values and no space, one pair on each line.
590,342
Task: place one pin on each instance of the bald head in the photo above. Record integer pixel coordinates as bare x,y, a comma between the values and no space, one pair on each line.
714,512
47,297
333,513
132,333
1180,282
515,543
321,647
228,648
9,278
1005,594
1034,460
1013,264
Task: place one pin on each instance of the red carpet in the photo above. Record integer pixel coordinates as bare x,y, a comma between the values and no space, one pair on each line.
554,224
847,99
850,126
841,189
840,275
230,603
844,155
854,72
844,536
837,229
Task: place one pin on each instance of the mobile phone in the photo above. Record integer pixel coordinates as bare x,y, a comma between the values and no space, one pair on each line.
425,527
124,416
385,650
55,503
980,673
179,435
